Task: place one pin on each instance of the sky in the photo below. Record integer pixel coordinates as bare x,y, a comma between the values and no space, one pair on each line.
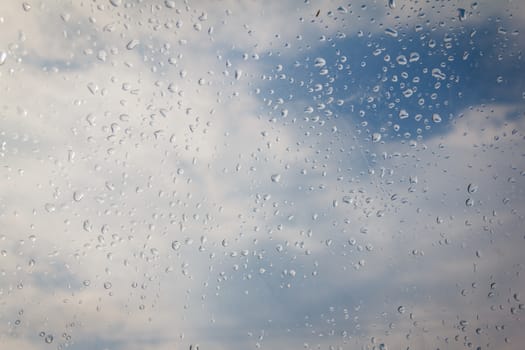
249,174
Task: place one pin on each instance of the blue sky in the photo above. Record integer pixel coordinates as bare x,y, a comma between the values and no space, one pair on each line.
222,183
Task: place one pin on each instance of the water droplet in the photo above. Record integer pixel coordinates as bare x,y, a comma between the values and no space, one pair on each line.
462,14
48,339
401,60
87,226
3,57
391,32
115,3
26,6
376,137
238,74
276,178
169,4
77,196
401,309
50,207
132,44
469,202
319,62
408,92
414,57
403,114
392,4
438,74
175,245
471,188
436,118
93,88
107,285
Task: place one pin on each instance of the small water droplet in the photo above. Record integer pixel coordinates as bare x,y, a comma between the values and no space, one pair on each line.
87,226
403,114
392,4
401,309
175,245
401,60
276,178
319,62
238,74
26,6
132,44
436,118
438,74
78,196
50,207
115,3
462,14
391,32
49,339
376,137
3,57
107,285
471,188
93,88
414,57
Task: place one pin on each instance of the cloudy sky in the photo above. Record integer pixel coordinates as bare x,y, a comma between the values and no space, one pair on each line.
262,174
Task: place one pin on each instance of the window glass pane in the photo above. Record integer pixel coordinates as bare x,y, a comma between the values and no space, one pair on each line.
262,174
